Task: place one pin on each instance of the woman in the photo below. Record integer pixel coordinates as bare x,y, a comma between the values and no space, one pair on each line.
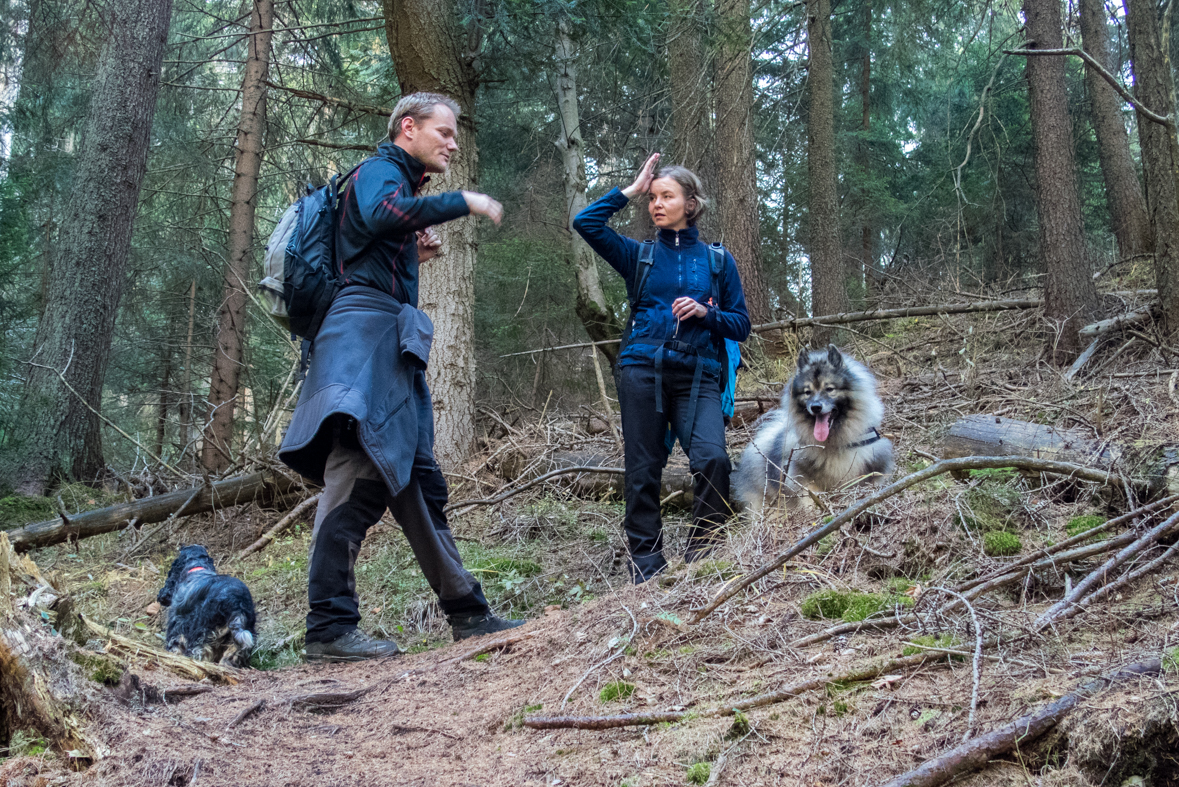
669,367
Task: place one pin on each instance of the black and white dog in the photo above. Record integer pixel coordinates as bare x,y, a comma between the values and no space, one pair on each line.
210,615
826,435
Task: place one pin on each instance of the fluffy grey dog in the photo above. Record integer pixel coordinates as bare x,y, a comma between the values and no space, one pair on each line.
825,436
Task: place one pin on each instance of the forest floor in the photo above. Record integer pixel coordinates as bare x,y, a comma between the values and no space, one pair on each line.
433,717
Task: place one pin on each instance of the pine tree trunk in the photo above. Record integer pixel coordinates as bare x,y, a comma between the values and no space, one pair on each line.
1127,206
1160,152
737,154
599,321
690,77
431,51
186,395
828,278
867,235
1070,296
216,452
56,433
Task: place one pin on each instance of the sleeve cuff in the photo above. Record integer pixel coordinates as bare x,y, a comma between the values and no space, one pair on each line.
616,197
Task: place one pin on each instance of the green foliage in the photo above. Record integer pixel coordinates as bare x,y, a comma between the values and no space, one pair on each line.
1171,661
930,641
740,727
699,773
1000,543
1000,474
850,605
19,510
724,569
990,506
25,743
1079,524
616,691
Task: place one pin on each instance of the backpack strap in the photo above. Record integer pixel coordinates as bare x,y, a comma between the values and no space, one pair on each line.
646,262
716,263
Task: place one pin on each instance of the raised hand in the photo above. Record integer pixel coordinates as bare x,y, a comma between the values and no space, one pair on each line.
483,205
685,307
643,181
429,244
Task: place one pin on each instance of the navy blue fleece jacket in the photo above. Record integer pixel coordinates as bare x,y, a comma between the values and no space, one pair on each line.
381,212
681,267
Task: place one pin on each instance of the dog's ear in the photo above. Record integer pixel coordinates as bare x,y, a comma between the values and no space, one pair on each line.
834,357
804,358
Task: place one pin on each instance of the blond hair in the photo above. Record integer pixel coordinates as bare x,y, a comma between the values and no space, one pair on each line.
418,106
693,189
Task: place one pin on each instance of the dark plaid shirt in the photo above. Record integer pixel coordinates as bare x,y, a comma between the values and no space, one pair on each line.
381,212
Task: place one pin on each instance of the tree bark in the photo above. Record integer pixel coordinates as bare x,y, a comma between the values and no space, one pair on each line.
1154,87
690,78
864,160
56,434
828,277
432,51
1070,296
592,309
217,450
1127,205
737,155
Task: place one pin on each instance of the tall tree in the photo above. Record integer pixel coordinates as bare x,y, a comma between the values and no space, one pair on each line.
1127,205
863,159
595,314
231,331
690,79
737,154
56,430
828,277
432,51
1070,296
1154,88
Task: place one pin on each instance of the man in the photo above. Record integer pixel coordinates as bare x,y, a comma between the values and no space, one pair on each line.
364,425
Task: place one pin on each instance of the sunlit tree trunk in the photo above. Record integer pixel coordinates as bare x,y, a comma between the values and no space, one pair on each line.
1127,205
432,51
600,323
1070,296
828,278
1160,152
224,382
737,153
56,432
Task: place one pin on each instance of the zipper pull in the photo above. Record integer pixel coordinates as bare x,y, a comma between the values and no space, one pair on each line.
677,239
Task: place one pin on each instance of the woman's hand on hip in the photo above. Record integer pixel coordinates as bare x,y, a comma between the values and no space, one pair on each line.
686,307
643,182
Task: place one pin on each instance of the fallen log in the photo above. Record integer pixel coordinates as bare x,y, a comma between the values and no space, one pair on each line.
149,510
1155,470
896,487
1121,321
977,752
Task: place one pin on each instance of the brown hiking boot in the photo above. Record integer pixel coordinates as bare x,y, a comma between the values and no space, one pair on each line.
353,646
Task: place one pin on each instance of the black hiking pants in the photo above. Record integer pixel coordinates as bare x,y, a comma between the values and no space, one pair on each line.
354,499
645,432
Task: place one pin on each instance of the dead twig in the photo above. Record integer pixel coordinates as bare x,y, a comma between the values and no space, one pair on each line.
540,480
495,644
238,719
326,701
273,533
977,752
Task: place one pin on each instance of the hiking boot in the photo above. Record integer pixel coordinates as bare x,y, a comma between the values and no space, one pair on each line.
353,646
463,626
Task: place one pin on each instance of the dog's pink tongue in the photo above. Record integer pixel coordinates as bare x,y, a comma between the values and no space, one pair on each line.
823,427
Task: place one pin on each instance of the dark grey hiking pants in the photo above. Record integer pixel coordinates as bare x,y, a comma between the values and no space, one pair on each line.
354,499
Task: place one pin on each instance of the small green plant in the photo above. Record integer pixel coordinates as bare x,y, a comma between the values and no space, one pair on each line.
1000,543
617,690
483,657
1079,524
699,773
851,605
1171,660
992,505
740,726
993,473
839,707
25,743
827,543
930,641
723,569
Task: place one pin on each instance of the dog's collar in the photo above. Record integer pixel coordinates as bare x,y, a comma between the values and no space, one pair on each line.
875,435
196,568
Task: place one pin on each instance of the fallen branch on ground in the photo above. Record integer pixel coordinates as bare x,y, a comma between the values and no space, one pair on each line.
895,488
181,665
977,752
785,693
149,510
238,719
490,501
495,644
274,532
325,701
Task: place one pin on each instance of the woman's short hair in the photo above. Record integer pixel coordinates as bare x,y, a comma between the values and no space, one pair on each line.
693,189
418,106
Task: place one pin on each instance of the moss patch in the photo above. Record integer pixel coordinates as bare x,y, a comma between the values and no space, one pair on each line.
930,641
699,773
25,743
618,690
999,543
18,510
1079,524
990,506
1171,660
99,668
850,606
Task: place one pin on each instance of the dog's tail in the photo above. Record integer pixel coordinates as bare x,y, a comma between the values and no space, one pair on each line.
238,627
